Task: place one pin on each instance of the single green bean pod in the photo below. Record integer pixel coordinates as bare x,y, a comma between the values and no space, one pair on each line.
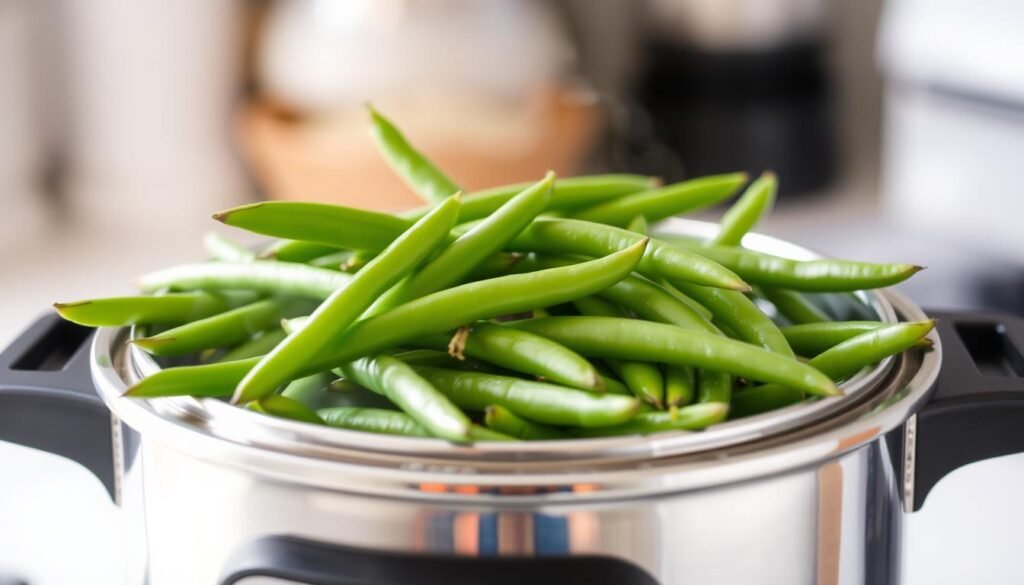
505,421
810,339
794,306
421,175
263,276
663,202
680,385
537,401
740,314
284,407
373,420
296,251
687,418
165,309
754,204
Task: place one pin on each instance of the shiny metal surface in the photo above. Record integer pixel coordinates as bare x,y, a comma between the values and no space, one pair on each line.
817,499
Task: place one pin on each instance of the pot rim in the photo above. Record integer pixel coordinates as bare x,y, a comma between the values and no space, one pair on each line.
876,400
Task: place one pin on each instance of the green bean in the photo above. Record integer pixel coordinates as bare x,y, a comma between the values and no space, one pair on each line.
459,258
166,309
664,202
284,407
337,260
643,379
568,194
434,313
680,384
694,305
754,204
838,363
809,275
569,236
537,401
344,392
613,386
638,225
224,329
220,247
373,420
505,421
442,359
495,265
259,275
687,418
414,394
296,251
713,387
259,344
842,306
740,314
480,433
318,223
810,339
421,175
524,352
312,391
794,306
346,304
656,342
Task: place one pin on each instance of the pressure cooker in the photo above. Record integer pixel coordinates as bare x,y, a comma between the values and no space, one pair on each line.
812,493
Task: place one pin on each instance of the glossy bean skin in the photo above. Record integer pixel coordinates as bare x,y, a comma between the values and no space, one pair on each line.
838,362
810,275
663,202
568,194
680,385
285,407
687,418
810,339
524,352
318,223
740,314
346,304
505,421
220,247
712,387
569,236
259,275
414,394
257,345
296,251
224,329
643,379
435,313
373,420
748,210
656,342
165,309
537,401
794,306
458,259
421,175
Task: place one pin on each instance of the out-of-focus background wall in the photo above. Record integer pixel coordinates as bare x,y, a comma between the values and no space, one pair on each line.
896,127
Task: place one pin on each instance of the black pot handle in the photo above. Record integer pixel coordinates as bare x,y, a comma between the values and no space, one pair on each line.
47,398
318,563
976,411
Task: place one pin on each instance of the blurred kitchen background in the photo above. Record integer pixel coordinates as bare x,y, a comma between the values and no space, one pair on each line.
896,127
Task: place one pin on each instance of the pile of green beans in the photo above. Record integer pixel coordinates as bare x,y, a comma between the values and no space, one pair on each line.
539,311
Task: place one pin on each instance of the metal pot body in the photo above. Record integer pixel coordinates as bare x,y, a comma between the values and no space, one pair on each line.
835,522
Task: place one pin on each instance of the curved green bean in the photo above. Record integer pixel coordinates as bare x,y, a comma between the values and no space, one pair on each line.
373,420
421,175
346,304
656,342
838,363
537,401
754,204
318,223
570,236
810,339
505,421
259,275
687,418
414,394
809,275
166,309
663,202
284,407
567,194
296,251
434,313
524,352
223,329
740,314
794,306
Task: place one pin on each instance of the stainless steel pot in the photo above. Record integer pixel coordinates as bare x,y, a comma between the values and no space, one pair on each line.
814,493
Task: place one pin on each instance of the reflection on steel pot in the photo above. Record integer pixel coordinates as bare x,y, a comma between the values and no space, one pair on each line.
816,492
